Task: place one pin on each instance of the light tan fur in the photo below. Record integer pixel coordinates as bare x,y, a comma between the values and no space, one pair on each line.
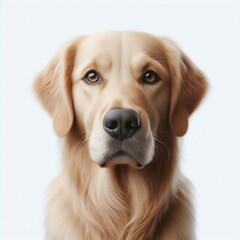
87,202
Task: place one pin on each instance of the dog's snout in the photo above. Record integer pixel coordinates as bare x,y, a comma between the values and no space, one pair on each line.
121,123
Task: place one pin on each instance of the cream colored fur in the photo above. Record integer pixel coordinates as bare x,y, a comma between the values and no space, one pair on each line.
119,202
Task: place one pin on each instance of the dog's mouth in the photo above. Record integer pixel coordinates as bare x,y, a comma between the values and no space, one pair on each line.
120,157
134,152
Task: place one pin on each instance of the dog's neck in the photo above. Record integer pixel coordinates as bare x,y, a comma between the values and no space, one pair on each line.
120,200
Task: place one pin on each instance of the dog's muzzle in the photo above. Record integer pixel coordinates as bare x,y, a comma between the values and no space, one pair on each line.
121,124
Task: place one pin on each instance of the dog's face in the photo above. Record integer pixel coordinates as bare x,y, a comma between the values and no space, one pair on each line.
122,89
120,96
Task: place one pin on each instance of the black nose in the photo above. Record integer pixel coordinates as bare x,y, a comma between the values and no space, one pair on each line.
121,123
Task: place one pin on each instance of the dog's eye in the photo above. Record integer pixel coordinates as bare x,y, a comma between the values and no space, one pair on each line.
92,77
150,77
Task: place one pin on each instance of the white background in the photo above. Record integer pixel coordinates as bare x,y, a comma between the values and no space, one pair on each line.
34,30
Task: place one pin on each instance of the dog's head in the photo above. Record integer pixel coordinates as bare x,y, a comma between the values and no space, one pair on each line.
122,89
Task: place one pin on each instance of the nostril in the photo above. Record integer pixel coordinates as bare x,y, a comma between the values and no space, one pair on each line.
112,125
132,124
128,125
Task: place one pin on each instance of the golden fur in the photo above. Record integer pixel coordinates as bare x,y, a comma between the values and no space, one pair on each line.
120,202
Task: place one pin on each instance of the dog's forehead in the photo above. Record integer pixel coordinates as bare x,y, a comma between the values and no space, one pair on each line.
117,43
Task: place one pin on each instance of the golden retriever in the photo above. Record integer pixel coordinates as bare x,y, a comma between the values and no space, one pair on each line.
119,100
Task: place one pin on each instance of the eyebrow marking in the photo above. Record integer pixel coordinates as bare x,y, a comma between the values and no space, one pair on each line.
144,62
100,63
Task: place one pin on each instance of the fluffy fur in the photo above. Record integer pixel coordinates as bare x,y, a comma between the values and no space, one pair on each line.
87,202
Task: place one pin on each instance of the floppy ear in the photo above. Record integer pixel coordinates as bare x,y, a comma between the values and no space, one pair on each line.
188,87
53,88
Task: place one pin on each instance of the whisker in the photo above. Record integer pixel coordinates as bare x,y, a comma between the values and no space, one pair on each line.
160,145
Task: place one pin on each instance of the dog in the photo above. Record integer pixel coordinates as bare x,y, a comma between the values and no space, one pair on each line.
119,101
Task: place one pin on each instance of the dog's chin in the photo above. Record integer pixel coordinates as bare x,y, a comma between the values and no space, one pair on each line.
121,158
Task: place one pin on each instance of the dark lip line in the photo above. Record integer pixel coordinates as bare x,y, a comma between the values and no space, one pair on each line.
116,154
119,154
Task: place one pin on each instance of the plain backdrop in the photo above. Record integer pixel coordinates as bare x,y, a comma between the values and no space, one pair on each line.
31,33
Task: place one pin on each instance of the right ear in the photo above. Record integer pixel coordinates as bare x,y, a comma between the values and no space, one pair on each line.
53,88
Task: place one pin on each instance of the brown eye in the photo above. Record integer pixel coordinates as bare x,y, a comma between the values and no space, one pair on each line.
150,77
92,77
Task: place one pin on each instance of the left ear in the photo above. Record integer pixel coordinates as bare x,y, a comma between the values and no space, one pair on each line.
188,87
